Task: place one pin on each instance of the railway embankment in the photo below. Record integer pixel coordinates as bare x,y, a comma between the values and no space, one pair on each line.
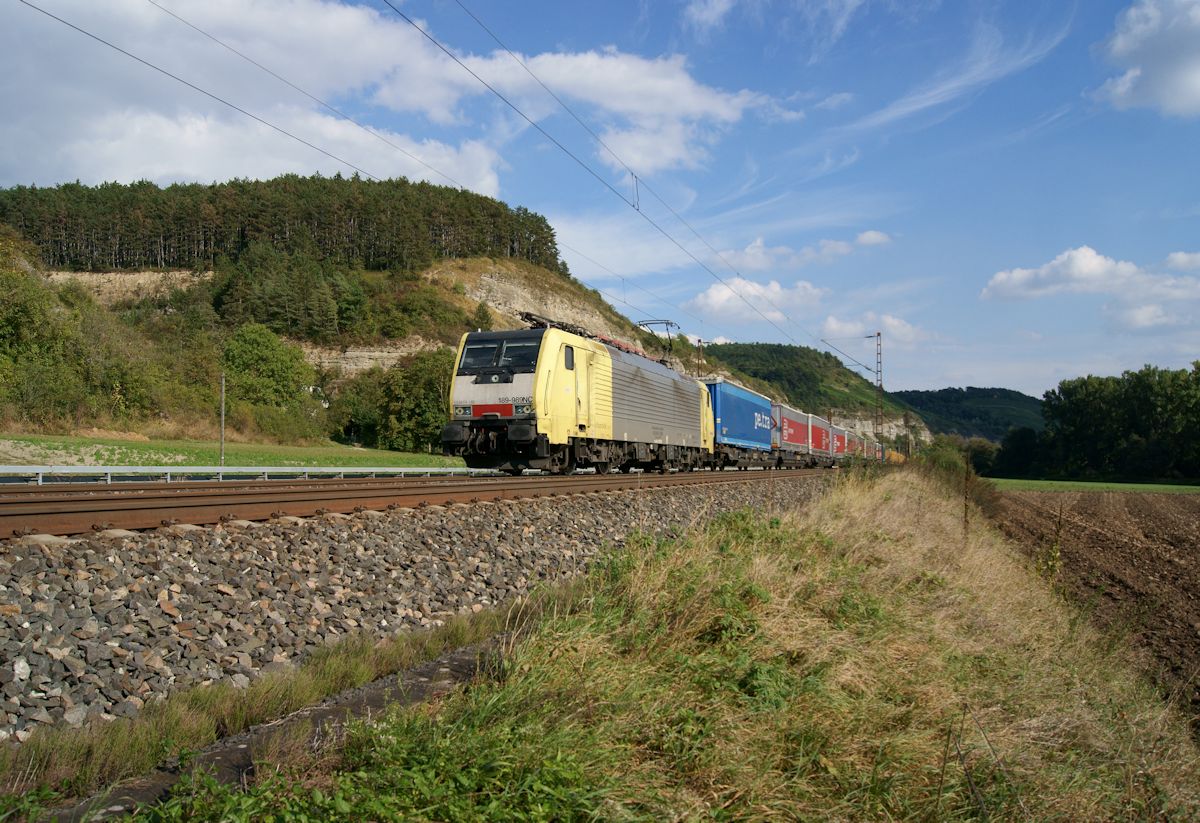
877,656
92,631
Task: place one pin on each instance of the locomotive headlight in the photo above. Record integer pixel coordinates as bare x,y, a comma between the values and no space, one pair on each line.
462,411
524,409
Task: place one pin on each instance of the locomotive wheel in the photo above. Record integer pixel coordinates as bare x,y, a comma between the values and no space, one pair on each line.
602,468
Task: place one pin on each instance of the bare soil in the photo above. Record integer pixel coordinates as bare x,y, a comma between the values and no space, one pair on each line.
1133,561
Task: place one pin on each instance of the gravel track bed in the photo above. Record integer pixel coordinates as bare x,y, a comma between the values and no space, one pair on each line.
98,627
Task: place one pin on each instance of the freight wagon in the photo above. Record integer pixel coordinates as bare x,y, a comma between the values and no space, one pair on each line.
789,436
839,444
820,440
742,426
546,398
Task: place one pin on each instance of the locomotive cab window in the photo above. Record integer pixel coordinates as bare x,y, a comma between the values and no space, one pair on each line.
479,356
520,355
569,357
506,352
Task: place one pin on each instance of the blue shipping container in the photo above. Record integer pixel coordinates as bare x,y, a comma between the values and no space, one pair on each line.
742,417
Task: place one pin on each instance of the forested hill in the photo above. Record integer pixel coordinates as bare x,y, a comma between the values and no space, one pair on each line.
974,412
374,225
815,381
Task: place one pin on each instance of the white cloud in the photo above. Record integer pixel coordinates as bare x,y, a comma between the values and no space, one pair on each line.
1145,317
774,300
872,238
1083,270
1183,260
897,332
1075,270
1157,42
707,14
642,250
827,22
716,341
652,109
835,328
989,59
758,256
1138,296
835,101
134,145
665,119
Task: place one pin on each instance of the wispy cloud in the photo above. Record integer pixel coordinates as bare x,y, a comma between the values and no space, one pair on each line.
989,59
703,15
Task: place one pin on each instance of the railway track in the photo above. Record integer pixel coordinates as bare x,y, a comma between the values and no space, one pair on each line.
72,509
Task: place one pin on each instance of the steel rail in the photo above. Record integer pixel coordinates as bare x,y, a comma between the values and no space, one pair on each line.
134,488
80,514
37,475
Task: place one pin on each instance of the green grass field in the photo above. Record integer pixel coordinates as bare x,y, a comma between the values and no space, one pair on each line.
1085,486
50,450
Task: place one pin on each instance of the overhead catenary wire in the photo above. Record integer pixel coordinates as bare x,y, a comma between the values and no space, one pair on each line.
848,357
333,109
658,227
510,104
636,285
263,121
327,106
336,157
205,92
638,182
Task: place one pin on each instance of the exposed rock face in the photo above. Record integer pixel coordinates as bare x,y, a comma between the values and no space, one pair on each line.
509,296
354,359
111,287
96,628
892,427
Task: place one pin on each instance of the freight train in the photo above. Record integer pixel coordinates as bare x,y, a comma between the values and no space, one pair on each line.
554,398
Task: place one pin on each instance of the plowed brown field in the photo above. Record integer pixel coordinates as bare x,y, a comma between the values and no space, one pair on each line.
1134,559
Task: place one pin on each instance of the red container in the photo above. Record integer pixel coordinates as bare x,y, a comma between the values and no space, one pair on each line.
819,436
790,432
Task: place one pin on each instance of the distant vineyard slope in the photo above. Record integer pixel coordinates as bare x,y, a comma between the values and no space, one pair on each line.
374,225
975,412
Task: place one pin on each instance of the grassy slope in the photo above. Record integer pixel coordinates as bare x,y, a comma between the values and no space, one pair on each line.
43,450
971,412
1086,486
763,670
811,379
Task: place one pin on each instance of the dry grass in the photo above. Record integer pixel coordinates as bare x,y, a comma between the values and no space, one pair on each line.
845,664
971,625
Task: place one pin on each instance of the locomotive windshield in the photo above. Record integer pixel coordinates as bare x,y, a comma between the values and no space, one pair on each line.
514,352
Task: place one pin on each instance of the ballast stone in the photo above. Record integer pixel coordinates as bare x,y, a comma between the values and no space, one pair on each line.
98,627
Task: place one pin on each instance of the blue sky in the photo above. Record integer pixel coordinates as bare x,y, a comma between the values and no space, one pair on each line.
1008,190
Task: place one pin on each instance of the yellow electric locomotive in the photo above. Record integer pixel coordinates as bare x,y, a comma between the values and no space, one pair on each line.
548,398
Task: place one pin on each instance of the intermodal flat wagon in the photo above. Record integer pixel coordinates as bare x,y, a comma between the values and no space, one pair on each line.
789,436
820,438
839,443
742,425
